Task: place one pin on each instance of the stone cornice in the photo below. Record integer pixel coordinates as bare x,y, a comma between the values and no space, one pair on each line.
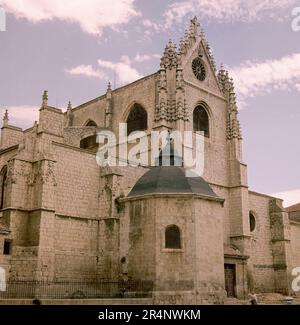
27,210
52,109
15,128
239,257
173,196
102,97
74,148
12,148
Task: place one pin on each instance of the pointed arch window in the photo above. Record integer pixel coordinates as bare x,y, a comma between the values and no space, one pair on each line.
91,123
3,177
201,120
137,119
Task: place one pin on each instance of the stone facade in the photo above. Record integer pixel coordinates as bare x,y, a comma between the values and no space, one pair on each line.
63,217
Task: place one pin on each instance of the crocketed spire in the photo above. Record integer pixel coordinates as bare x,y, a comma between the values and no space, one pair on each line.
227,86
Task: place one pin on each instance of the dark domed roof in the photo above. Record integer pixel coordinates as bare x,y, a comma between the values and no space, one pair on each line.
170,180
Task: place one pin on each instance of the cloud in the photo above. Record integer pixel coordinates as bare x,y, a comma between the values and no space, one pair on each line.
257,78
91,15
123,70
88,71
225,11
146,57
22,116
297,86
151,25
290,197
125,73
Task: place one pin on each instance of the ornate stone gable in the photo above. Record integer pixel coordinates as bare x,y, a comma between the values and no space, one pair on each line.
194,45
176,70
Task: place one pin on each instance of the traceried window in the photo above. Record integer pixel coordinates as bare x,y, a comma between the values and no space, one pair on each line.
199,69
201,120
172,237
137,119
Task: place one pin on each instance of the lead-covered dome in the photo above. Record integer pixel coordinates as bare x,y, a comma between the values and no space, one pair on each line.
170,180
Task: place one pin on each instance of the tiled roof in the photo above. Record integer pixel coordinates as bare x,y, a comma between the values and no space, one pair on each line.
293,208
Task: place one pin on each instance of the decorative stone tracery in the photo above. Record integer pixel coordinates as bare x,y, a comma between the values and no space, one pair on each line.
172,107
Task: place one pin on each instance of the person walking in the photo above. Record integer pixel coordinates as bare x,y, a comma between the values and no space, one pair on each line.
253,298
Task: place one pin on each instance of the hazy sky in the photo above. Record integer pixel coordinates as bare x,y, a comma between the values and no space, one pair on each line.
73,47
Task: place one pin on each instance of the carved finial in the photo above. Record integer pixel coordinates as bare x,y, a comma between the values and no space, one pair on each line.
45,99
194,27
5,118
108,87
69,116
194,21
35,126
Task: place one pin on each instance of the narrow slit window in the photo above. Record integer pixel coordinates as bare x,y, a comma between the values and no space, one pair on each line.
6,247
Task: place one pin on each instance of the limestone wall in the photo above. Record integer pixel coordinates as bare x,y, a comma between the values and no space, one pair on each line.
195,272
142,240
5,156
75,248
24,263
51,120
223,193
175,269
77,178
141,92
10,136
295,244
93,110
209,264
261,250
216,163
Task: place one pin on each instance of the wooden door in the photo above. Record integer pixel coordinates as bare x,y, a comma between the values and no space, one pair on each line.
230,280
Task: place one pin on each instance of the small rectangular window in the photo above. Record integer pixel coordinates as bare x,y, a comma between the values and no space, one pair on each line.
6,247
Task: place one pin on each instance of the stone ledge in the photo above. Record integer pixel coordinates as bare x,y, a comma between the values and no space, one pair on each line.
108,302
